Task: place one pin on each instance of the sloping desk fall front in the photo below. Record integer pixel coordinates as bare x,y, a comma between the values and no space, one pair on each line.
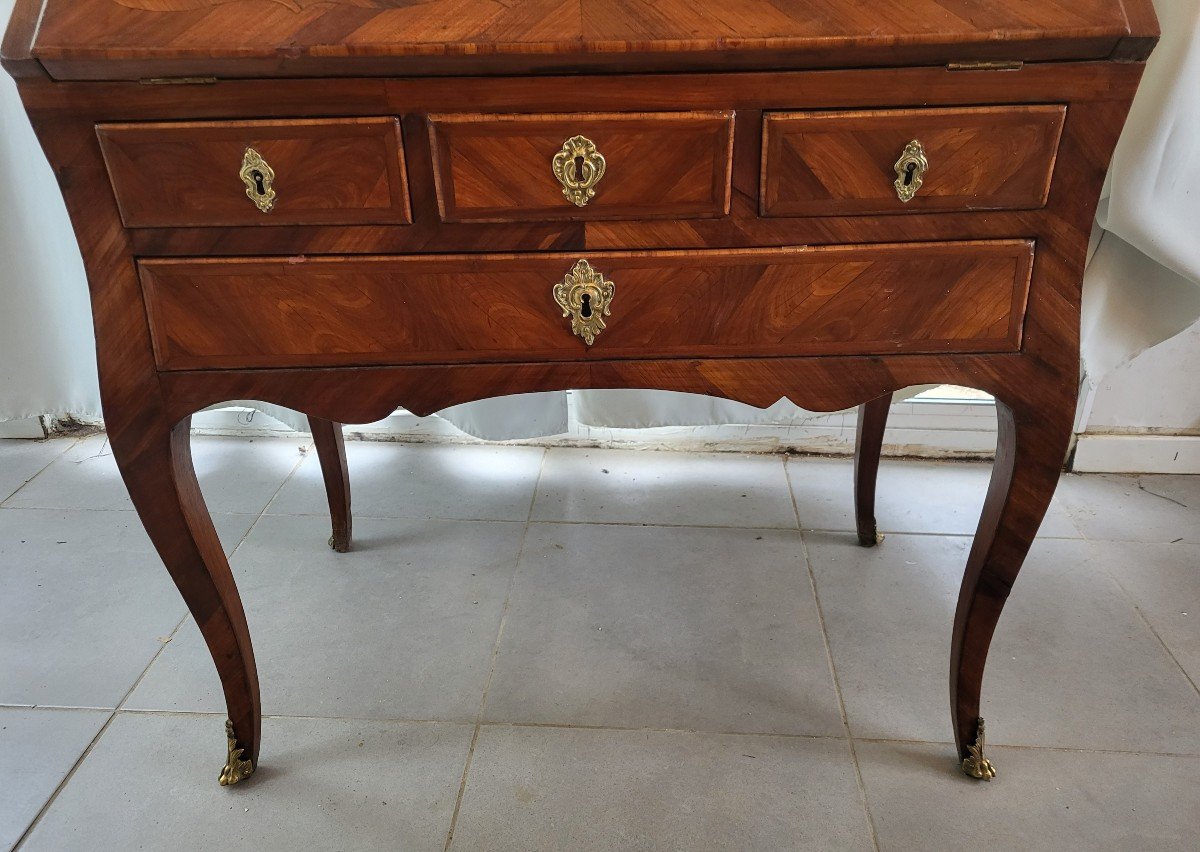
345,205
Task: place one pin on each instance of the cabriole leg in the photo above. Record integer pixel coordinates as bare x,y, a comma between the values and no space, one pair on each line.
1030,449
868,444
156,464
331,452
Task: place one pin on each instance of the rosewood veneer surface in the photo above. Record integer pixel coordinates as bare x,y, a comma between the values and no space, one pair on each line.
991,158
336,171
492,168
744,239
446,308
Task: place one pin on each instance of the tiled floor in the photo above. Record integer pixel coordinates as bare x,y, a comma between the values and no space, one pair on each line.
572,649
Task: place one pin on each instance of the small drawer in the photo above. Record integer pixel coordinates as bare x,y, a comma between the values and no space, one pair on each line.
519,168
849,163
305,172
343,311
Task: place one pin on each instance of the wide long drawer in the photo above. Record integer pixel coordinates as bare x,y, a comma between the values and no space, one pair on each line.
331,311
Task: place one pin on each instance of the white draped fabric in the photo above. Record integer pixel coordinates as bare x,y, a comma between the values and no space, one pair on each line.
1142,283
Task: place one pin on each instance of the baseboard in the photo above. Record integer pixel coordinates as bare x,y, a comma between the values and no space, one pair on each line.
27,428
1137,454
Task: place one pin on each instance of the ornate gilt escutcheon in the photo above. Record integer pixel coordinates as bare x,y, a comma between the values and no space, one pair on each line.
259,178
910,170
585,296
975,764
235,769
578,167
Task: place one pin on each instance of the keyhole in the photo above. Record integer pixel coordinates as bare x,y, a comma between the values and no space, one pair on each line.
585,308
908,173
258,182
579,168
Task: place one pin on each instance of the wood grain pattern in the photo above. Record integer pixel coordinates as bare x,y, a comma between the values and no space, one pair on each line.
150,446
1093,82
330,445
1143,32
956,297
327,171
496,168
854,88
1033,437
16,48
868,444
123,39
146,409
842,163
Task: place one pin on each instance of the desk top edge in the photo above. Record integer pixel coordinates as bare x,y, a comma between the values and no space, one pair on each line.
134,39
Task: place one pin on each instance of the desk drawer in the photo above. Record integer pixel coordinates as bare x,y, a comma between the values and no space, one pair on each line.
933,297
510,168
345,171
848,163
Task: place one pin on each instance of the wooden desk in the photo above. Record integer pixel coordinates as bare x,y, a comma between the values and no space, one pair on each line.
343,207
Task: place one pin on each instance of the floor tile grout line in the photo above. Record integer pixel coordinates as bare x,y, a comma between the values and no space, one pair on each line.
652,729
462,784
302,451
971,535
1069,511
482,722
599,523
112,714
385,720
39,471
129,692
609,523
837,686
547,521
262,512
130,510
1023,747
1149,626
504,723
163,647
61,708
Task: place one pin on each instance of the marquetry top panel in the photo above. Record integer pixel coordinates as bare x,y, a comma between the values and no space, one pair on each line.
97,39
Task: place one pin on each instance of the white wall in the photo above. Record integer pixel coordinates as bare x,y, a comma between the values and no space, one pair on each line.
46,368
1156,392
1144,416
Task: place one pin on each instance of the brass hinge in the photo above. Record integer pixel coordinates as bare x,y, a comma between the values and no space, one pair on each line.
177,81
986,65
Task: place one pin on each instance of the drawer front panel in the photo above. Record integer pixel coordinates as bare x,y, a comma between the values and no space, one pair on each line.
325,172
845,163
500,168
934,297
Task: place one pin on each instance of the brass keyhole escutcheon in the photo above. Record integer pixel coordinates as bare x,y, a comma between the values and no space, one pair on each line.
910,171
259,179
578,166
585,296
